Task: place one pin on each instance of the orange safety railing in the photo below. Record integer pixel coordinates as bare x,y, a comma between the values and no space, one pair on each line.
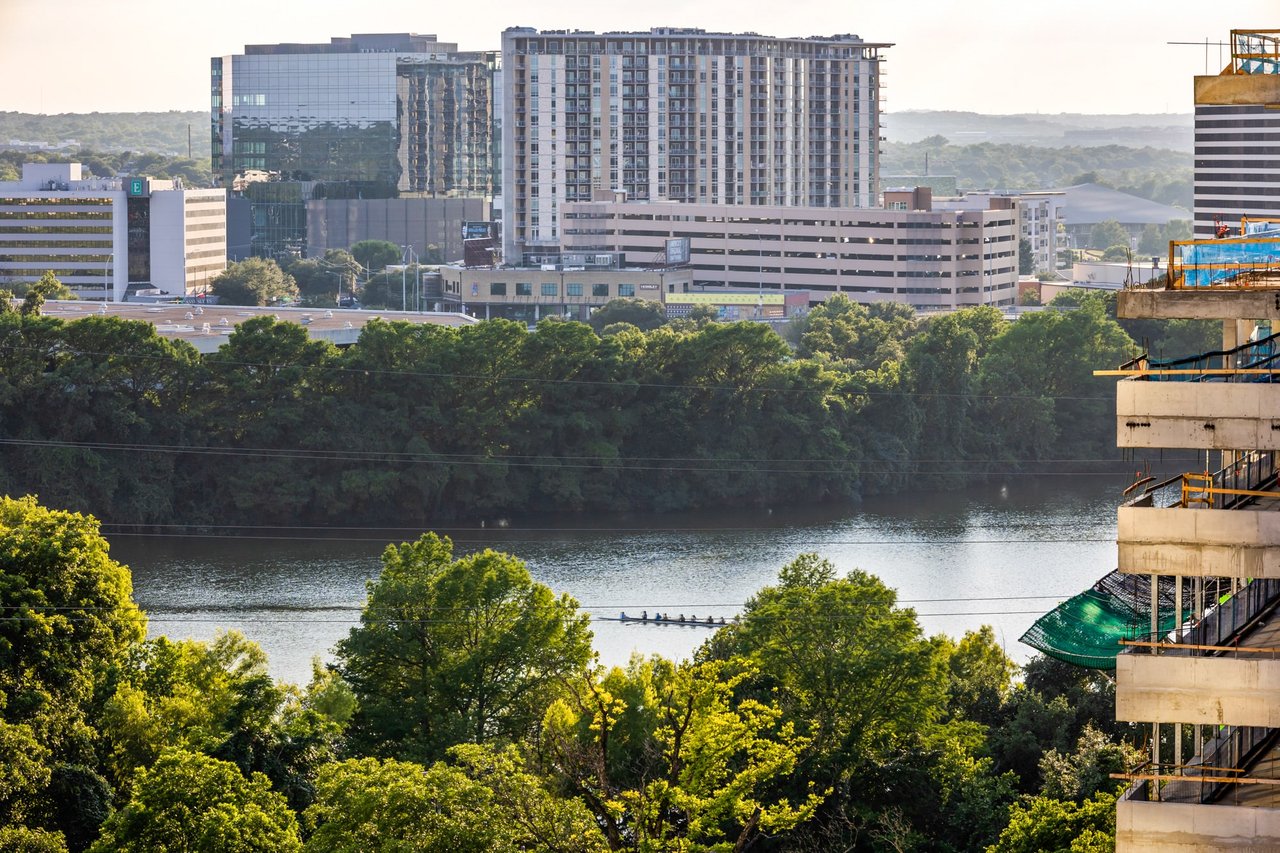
1254,263
1198,488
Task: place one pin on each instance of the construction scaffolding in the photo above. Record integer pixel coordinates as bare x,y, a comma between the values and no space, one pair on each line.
1251,260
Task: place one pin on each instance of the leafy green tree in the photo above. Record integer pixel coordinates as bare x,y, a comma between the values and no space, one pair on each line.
21,839
644,314
126,384
940,369
451,651
269,387
373,255
847,665
217,698
488,803
1108,233
320,280
667,758
392,289
254,281
855,336
1026,257
68,619
1045,825
77,803
1152,241
24,772
1118,253
1040,392
1175,230
1087,770
187,801
981,676
48,287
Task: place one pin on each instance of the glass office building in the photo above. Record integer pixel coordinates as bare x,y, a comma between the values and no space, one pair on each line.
364,117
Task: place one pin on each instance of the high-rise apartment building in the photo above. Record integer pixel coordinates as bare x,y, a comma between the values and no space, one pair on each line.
109,236
369,116
1238,135
683,115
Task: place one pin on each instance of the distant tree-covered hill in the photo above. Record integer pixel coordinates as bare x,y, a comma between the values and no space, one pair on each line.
1157,130
194,172
1153,173
164,133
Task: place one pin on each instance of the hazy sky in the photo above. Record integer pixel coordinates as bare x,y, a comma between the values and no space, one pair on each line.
986,56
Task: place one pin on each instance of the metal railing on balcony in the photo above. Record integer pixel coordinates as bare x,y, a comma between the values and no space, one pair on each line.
1255,361
1220,769
1245,480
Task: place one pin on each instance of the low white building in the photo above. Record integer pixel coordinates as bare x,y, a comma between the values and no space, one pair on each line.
1040,220
110,235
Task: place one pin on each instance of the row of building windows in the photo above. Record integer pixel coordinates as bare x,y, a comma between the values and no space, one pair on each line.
55,259
61,273
58,228
55,202
41,215
55,244
499,288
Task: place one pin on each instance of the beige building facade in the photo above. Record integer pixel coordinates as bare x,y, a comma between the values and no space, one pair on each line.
527,294
929,259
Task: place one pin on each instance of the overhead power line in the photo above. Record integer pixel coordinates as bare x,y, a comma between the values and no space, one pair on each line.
620,383
623,464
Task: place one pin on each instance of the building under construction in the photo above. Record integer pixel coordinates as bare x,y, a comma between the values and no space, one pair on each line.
1188,621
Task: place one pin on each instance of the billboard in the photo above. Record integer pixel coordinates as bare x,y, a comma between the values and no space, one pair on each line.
478,231
708,298
677,251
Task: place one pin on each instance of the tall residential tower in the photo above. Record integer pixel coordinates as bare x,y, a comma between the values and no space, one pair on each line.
683,115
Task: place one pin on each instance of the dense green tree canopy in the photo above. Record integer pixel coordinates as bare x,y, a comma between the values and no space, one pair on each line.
373,255
1108,233
644,314
68,618
187,801
450,651
485,802
842,658
668,758
254,281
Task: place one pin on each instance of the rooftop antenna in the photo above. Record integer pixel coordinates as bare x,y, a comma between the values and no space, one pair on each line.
1206,43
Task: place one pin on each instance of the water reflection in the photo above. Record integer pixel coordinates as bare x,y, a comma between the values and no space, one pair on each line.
1000,556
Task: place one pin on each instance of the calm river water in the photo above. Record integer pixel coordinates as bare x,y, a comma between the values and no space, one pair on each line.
1001,555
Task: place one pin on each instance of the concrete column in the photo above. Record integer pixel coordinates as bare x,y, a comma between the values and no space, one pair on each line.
1155,610
1177,607
1230,337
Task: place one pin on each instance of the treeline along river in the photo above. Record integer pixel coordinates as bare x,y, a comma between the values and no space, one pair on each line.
997,554
422,425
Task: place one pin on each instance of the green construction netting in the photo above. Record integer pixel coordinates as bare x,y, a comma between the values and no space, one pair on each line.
1086,630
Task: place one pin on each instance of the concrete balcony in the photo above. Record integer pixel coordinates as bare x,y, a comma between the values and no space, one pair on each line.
1198,542
1229,677
1198,415
1152,827
1176,688
1198,304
